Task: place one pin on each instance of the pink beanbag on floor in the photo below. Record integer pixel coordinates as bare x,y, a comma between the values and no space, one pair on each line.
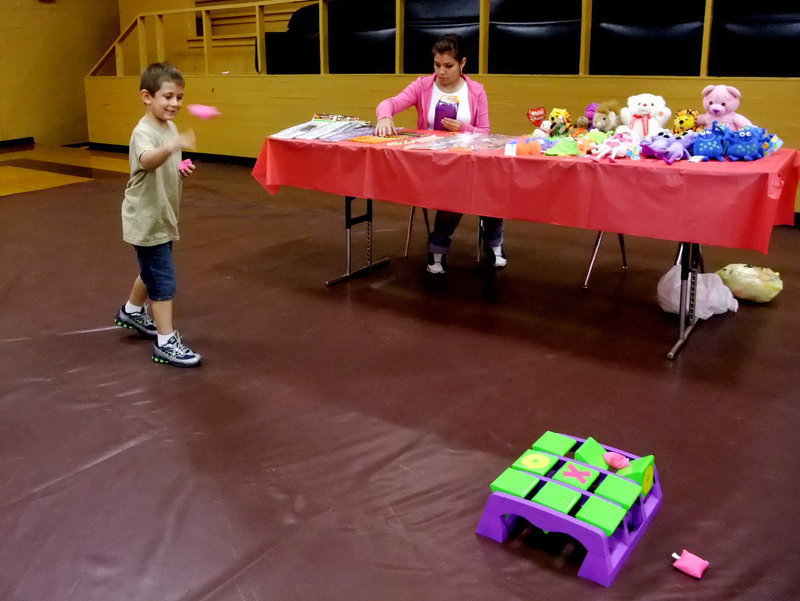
690,563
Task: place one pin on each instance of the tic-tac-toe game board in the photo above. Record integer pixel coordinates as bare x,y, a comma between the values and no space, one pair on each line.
565,484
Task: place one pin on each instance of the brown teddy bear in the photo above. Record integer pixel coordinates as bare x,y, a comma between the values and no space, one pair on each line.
606,116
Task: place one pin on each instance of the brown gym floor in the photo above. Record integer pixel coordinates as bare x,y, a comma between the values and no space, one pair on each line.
338,443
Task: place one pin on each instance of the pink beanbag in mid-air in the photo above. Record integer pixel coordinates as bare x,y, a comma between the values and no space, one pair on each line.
203,111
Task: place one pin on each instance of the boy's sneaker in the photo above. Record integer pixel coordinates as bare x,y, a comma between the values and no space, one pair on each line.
174,352
141,322
495,256
437,263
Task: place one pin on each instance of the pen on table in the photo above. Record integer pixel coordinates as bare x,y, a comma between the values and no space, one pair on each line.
413,141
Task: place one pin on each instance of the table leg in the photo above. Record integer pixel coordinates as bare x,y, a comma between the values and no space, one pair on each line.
690,265
349,222
596,248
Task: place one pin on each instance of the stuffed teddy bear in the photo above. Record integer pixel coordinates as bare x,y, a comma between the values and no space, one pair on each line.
561,120
606,116
646,115
685,120
581,126
543,131
721,103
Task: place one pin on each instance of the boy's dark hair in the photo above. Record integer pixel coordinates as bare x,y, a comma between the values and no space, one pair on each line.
450,43
156,74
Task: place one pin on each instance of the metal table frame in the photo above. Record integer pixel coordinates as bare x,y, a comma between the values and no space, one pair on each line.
349,222
689,257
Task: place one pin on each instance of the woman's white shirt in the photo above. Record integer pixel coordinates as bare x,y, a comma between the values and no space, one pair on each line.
460,96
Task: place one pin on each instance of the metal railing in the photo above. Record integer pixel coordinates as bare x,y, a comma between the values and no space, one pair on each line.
140,25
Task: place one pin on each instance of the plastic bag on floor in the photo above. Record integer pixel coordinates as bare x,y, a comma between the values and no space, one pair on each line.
758,284
712,297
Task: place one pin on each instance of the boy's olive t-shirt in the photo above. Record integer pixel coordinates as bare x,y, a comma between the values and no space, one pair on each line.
150,208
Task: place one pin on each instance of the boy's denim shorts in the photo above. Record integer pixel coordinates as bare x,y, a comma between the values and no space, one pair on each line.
157,270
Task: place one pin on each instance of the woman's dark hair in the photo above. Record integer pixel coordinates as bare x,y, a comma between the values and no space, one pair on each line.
449,43
156,74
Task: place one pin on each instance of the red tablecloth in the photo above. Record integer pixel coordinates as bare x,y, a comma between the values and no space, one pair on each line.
733,204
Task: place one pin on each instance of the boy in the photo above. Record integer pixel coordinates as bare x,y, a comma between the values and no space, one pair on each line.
150,213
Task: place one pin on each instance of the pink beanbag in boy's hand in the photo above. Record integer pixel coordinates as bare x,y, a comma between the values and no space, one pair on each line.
184,164
690,563
203,111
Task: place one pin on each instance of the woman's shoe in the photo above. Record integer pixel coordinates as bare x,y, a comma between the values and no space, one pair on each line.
437,263
495,256
500,260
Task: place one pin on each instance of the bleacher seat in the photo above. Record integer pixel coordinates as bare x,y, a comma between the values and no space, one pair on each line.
544,40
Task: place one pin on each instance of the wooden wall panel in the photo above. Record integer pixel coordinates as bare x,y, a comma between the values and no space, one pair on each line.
45,50
128,9
256,106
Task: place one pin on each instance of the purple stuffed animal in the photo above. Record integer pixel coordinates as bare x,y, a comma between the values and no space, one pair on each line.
654,147
680,147
668,147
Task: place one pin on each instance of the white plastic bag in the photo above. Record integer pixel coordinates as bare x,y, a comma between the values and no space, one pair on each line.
758,284
712,297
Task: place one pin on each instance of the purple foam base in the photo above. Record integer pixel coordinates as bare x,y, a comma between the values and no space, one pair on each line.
605,555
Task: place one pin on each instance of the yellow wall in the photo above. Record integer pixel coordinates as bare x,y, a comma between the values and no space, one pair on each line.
128,9
254,107
45,51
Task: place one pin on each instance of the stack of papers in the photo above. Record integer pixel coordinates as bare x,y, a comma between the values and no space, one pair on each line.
330,128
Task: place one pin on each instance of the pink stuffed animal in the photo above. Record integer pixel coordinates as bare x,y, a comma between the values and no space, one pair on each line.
721,103
616,146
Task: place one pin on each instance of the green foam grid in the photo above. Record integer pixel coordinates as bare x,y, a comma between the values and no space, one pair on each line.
552,442
591,452
606,496
571,467
602,514
557,497
515,482
535,462
619,490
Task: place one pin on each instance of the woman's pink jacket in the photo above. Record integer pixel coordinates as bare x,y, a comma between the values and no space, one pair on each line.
419,93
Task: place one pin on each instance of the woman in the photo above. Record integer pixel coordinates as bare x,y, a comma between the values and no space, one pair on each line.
447,100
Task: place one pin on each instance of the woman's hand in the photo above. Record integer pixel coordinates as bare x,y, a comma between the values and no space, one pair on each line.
385,127
451,124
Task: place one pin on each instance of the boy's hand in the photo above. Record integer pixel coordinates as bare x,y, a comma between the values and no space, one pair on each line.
187,139
155,157
186,168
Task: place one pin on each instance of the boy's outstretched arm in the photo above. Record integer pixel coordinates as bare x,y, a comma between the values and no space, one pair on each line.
153,159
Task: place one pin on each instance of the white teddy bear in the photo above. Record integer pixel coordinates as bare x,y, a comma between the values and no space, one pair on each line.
646,115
